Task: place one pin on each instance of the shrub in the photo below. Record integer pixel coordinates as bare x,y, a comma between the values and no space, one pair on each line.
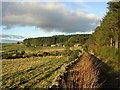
18,55
55,53
74,54
26,56
39,55
22,52
34,54
46,54
7,56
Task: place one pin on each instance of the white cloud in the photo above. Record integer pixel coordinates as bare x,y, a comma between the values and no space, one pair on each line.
4,37
11,36
7,38
48,17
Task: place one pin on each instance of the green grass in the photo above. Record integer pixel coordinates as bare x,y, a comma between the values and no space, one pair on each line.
31,72
110,56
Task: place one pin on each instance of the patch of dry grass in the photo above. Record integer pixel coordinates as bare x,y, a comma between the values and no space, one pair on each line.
84,74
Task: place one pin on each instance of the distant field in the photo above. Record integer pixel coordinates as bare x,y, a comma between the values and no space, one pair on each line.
35,72
7,47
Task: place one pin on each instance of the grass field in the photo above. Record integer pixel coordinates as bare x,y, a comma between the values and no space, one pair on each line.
35,72
7,47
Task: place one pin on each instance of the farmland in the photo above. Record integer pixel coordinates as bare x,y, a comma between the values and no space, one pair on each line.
33,72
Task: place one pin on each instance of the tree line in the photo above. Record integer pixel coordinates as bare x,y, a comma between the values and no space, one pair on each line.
67,40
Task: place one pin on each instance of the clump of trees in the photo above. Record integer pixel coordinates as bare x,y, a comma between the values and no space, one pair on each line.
108,33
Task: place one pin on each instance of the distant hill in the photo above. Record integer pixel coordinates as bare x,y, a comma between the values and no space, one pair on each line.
9,41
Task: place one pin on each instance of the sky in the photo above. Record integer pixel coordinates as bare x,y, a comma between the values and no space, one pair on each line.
22,20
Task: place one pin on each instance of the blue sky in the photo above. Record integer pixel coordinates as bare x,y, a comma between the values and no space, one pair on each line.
90,9
98,8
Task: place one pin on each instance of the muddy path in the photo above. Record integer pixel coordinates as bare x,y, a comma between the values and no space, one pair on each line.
88,72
